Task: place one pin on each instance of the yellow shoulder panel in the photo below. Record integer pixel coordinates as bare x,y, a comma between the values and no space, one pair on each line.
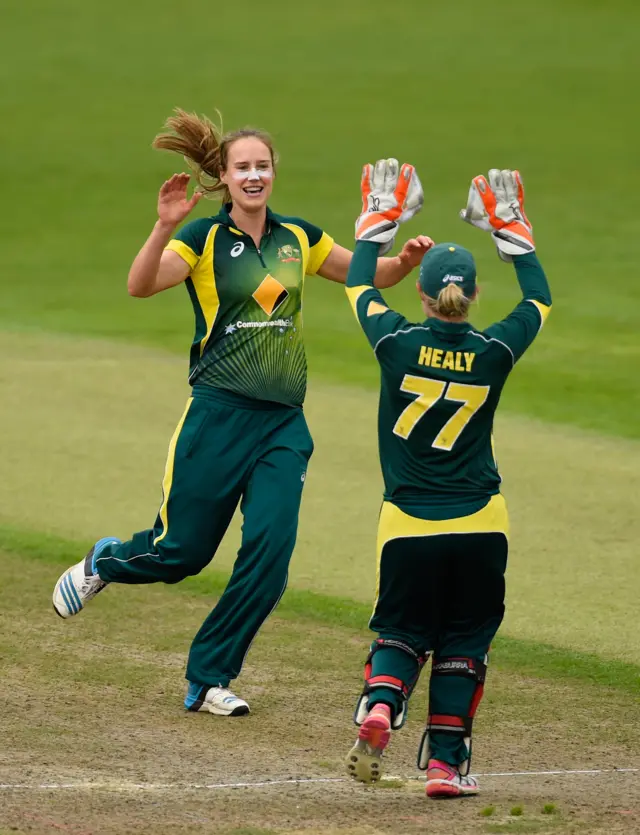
184,251
354,293
375,309
543,308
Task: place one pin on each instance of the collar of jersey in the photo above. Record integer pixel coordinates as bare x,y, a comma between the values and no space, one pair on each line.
224,219
447,327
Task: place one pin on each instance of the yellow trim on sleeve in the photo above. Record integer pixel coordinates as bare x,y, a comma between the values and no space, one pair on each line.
204,283
375,309
319,253
184,251
168,474
301,235
543,308
354,293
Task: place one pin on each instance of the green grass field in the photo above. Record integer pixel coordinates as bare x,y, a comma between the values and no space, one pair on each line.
93,383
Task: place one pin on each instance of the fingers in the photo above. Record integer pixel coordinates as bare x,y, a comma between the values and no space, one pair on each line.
497,184
510,185
178,182
520,186
391,176
402,182
195,199
486,195
415,194
365,185
378,177
425,242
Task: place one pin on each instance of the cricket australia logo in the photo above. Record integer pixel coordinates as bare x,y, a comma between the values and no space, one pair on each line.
289,253
270,295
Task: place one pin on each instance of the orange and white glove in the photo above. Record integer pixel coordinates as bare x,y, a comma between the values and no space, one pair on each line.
391,195
497,206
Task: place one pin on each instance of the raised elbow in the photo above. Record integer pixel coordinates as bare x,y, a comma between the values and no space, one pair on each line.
136,291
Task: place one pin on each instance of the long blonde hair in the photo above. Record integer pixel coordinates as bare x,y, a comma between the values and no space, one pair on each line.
206,148
451,302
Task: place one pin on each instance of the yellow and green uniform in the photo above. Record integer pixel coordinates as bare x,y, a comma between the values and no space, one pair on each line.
443,529
248,304
242,440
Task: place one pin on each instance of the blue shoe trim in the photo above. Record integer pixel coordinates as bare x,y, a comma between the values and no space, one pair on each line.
65,596
100,545
75,597
195,696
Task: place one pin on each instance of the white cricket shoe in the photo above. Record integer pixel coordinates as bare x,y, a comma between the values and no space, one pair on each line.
81,582
218,700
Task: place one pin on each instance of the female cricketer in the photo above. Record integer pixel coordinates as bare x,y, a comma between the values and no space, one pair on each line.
443,528
242,438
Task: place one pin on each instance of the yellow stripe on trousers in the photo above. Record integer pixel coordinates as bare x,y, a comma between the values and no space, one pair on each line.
396,524
168,474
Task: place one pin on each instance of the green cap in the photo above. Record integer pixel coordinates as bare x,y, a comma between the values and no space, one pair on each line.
445,264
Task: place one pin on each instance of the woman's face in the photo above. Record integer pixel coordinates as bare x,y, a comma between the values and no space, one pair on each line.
249,173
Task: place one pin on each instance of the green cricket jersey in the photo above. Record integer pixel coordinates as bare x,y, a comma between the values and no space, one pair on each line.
440,386
248,303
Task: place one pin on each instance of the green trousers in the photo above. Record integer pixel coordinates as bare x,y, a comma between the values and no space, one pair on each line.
226,450
442,593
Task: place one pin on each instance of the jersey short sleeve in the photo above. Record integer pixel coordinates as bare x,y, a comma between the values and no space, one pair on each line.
320,244
189,241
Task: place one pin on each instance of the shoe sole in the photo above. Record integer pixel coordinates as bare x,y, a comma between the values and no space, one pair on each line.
443,789
364,760
241,710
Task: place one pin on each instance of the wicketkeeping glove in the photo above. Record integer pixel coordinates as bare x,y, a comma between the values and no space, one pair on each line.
497,206
391,195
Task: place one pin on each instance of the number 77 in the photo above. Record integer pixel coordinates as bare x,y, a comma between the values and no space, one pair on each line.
429,391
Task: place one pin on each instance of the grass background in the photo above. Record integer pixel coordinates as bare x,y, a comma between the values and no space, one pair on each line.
92,384
548,87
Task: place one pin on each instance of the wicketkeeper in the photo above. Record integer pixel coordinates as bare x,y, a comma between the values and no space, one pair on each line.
443,529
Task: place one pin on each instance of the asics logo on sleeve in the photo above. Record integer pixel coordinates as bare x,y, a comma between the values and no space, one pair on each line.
237,249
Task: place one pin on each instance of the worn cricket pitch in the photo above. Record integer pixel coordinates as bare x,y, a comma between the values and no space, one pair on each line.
97,700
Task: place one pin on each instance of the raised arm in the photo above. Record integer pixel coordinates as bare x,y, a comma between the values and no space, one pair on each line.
496,205
390,196
388,270
523,324
155,269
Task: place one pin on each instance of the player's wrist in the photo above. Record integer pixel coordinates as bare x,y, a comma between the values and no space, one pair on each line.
164,228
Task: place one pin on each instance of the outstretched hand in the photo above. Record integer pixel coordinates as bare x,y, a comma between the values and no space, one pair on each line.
173,204
414,251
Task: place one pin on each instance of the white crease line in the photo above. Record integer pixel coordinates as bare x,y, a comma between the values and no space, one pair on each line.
555,773
287,782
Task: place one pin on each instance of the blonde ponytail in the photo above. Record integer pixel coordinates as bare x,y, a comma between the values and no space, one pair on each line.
205,148
451,302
